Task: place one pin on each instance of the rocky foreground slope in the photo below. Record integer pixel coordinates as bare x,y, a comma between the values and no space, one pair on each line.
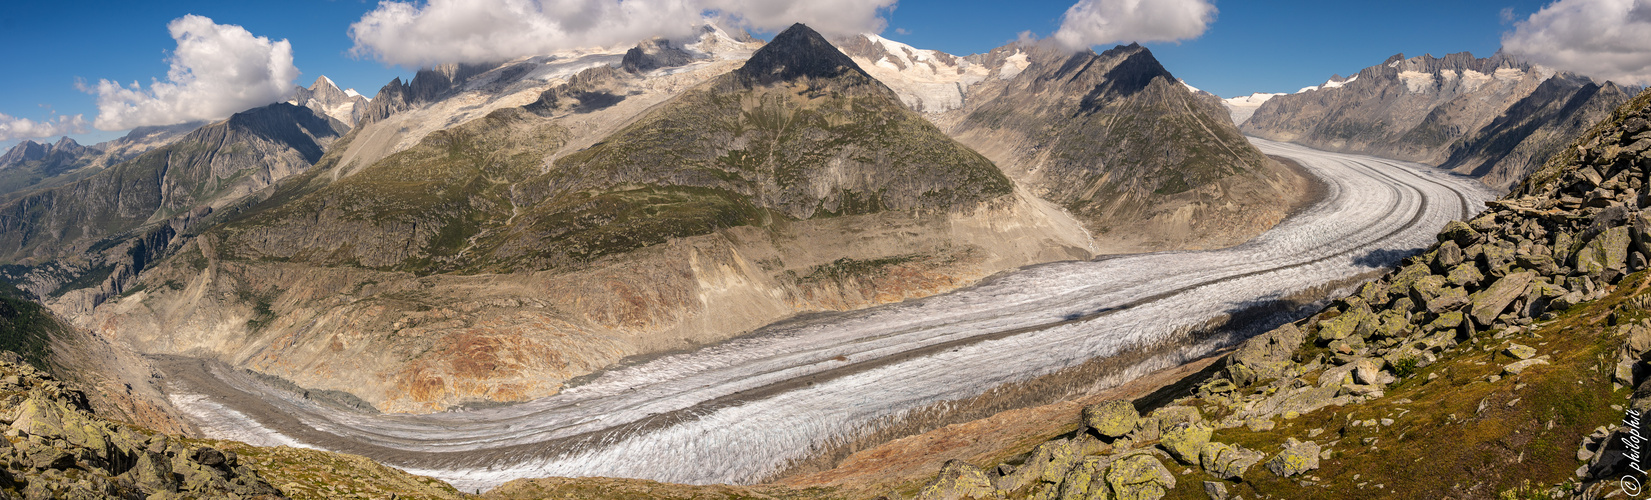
1496,118
1499,363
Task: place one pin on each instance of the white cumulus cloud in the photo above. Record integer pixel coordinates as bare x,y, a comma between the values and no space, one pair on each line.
1608,39
1097,22
444,31
12,127
217,70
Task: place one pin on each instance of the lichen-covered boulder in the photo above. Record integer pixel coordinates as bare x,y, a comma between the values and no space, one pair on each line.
1111,418
1265,356
1048,463
1185,441
1228,461
1086,480
1297,457
1459,232
1608,251
1139,477
958,481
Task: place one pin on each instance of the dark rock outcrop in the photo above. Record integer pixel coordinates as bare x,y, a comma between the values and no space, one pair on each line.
653,54
797,53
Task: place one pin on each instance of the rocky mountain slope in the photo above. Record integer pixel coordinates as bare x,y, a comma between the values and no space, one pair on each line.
326,99
1117,141
86,236
617,213
1497,364
30,166
1495,117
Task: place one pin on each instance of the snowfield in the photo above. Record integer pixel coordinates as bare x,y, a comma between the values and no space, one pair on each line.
742,410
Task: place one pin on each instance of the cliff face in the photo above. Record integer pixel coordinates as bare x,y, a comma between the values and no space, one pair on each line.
1120,143
1494,117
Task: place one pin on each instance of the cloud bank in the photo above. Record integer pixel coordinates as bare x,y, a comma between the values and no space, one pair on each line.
1097,22
473,31
217,70
1609,39
12,127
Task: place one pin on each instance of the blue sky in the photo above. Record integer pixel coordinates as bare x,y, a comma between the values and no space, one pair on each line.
1276,46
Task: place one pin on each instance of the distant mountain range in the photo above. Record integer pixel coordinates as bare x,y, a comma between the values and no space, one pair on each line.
1496,118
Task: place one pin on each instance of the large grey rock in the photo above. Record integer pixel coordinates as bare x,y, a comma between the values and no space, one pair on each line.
1297,457
1489,303
1606,252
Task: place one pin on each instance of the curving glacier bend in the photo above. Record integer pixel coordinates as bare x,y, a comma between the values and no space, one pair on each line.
743,410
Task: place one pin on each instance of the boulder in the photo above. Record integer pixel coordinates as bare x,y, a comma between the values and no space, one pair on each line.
1086,480
1449,255
1216,490
958,481
1606,252
1497,258
1460,233
1298,457
1520,351
1139,477
1368,371
1518,367
1185,440
1228,461
1541,263
1449,321
1489,303
1265,356
1111,418
1048,463
1465,275
1176,414
1406,277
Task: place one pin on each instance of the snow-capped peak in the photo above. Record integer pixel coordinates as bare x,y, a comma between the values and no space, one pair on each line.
1328,84
352,93
1255,99
328,80
927,80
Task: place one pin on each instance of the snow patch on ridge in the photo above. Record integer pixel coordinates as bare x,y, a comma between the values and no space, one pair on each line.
929,81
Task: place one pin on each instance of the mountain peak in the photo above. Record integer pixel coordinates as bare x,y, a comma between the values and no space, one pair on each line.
22,152
323,82
797,52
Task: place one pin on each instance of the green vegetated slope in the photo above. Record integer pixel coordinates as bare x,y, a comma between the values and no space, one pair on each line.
799,132
1496,364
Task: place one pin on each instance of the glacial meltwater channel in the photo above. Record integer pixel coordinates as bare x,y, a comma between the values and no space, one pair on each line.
742,410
